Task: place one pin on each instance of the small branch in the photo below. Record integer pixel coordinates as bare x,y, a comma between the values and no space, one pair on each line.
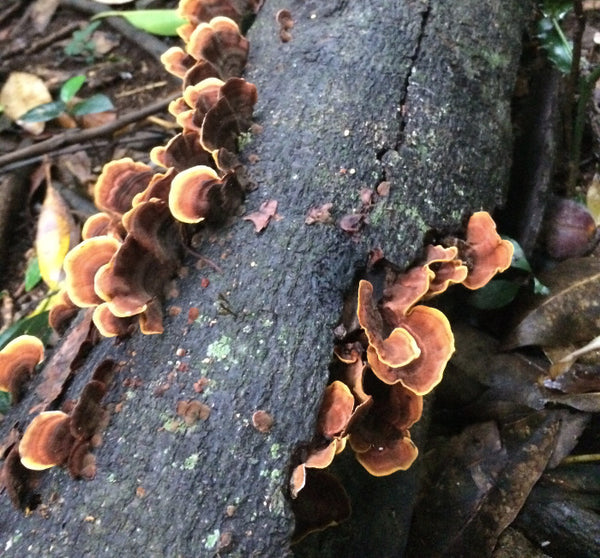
78,136
149,43
44,42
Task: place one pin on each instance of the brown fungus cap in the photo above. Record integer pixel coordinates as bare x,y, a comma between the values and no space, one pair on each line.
62,312
395,454
110,325
486,253
176,61
47,441
432,334
81,265
447,268
198,11
221,44
119,182
399,347
88,414
181,152
231,116
336,409
18,360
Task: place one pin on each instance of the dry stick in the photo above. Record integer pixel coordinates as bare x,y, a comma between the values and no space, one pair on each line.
5,14
44,42
78,136
149,43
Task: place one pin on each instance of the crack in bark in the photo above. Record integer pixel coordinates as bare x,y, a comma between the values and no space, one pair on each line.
404,92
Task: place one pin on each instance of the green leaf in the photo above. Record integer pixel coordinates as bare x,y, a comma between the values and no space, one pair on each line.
495,294
31,325
5,400
556,9
519,261
32,274
96,103
157,22
80,42
558,49
45,112
70,88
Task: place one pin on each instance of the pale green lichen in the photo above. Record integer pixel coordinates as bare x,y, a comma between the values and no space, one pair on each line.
219,349
190,462
212,539
274,450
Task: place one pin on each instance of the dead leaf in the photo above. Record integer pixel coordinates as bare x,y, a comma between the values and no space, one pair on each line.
570,314
21,92
581,378
352,223
482,479
104,42
41,13
95,119
319,214
263,216
593,198
78,165
64,360
56,235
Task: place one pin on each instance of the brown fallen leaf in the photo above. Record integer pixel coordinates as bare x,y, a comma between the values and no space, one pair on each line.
64,360
482,478
352,223
570,314
319,214
262,217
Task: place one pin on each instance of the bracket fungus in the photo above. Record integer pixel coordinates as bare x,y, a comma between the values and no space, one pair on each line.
486,252
18,360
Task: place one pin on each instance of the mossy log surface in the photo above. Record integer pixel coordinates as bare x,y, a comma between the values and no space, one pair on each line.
411,92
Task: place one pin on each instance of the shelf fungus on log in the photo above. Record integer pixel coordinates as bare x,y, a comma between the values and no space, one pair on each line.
397,355
18,360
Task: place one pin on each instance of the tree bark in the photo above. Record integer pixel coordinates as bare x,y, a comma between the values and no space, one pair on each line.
415,93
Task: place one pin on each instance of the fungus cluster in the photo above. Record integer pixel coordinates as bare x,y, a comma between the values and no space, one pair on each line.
396,354
132,247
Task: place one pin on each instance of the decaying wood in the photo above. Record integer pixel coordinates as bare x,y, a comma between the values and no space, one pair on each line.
413,93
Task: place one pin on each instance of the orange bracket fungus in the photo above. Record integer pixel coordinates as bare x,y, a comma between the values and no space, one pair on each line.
18,359
381,370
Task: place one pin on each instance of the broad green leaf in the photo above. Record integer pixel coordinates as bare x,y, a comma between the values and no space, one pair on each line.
558,49
96,103
31,325
56,232
32,274
157,22
495,294
81,43
71,87
45,112
570,314
519,261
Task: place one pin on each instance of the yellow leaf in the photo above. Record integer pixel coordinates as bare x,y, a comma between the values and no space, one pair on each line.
593,198
56,234
21,92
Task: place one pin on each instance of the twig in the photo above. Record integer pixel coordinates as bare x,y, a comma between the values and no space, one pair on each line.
5,14
78,136
42,43
149,43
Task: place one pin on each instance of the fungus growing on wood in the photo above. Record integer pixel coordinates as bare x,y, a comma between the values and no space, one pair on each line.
81,265
198,193
486,253
47,441
220,43
399,347
231,115
110,325
18,360
119,182
447,268
181,152
176,61
102,224
387,456
62,311
198,11
336,409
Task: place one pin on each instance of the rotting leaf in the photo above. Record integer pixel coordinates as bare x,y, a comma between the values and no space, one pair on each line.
485,475
570,314
263,216
56,233
64,360
319,214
